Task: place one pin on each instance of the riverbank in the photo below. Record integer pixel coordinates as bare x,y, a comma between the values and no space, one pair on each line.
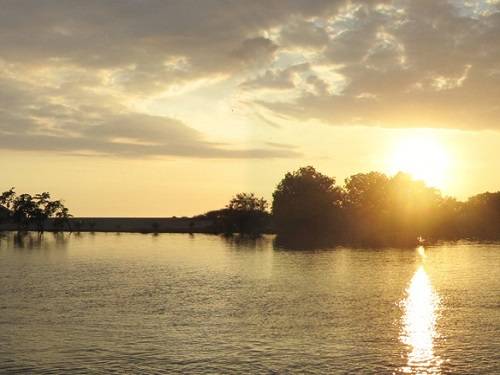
122,224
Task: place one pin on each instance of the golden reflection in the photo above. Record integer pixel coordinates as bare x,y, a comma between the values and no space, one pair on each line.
419,324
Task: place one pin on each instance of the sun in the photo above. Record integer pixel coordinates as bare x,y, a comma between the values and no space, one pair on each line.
423,157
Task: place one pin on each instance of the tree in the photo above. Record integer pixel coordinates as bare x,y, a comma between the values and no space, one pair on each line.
26,210
6,201
366,206
412,208
246,214
7,198
381,210
247,202
482,216
307,203
366,191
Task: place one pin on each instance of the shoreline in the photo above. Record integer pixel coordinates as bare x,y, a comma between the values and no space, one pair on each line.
122,225
202,225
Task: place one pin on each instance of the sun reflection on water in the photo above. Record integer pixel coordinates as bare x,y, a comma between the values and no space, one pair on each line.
421,307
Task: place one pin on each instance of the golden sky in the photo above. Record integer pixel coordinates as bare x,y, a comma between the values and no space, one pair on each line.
156,108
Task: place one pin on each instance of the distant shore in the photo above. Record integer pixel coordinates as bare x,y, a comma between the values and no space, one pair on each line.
123,224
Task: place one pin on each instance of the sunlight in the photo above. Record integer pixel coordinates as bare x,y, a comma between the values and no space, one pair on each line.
419,325
423,157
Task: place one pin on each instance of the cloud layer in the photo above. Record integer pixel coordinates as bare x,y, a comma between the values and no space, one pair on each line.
71,71
413,63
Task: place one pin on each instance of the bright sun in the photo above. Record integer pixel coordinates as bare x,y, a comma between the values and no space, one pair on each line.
423,157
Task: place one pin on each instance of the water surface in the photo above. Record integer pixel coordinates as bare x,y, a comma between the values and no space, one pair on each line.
134,303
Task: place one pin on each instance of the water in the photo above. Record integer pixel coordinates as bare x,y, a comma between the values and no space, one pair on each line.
134,303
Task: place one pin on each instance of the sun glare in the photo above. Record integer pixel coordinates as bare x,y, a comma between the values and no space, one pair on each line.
423,157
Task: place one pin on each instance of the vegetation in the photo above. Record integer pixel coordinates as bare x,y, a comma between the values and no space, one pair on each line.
480,216
245,213
28,211
372,208
306,203
369,209
382,210
311,208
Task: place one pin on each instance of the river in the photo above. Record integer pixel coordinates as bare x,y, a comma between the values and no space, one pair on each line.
175,303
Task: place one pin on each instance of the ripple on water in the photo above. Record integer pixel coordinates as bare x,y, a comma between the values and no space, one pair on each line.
176,304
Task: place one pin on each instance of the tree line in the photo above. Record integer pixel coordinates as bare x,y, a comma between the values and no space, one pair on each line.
310,207
370,208
32,212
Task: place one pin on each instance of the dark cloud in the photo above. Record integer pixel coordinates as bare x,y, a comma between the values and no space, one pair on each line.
138,37
255,51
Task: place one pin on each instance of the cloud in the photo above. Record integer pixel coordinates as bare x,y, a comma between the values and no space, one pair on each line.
38,119
255,51
135,136
72,72
277,79
144,36
418,64
304,34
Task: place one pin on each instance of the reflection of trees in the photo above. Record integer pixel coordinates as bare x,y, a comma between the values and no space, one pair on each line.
241,241
302,242
35,240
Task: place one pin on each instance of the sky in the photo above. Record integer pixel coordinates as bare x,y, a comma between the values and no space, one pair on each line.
161,108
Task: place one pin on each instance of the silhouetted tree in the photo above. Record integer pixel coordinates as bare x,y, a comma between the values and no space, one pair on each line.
7,198
413,208
26,210
481,216
6,201
246,214
371,208
247,202
366,207
307,203
448,221
383,210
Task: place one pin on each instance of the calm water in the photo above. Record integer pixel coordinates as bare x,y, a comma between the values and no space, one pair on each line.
178,304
